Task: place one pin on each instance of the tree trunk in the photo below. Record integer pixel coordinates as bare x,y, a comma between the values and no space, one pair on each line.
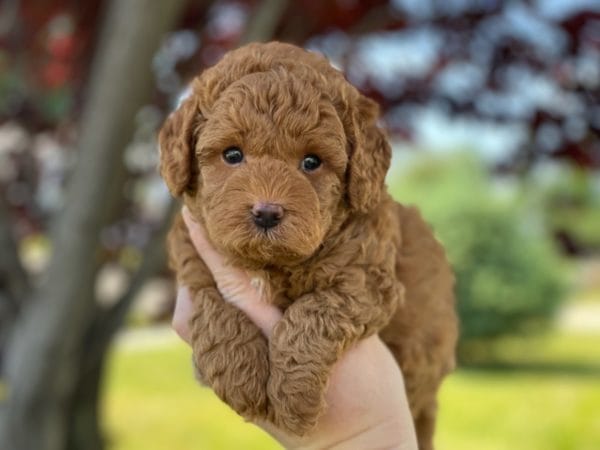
84,432
43,361
14,283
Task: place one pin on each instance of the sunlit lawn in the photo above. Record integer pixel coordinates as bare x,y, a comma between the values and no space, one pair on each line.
153,403
545,397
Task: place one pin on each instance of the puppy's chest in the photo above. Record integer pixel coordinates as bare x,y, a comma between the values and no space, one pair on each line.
283,288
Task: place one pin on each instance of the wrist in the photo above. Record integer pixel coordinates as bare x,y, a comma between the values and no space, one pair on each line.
388,434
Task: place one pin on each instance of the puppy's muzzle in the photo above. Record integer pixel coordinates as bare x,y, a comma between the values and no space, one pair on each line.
267,215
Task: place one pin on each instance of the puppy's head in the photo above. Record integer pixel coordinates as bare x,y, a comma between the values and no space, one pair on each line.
272,151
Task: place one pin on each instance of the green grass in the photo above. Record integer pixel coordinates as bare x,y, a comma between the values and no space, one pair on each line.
541,394
588,296
482,410
152,402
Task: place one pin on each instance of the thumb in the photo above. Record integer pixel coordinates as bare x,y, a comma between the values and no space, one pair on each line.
233,283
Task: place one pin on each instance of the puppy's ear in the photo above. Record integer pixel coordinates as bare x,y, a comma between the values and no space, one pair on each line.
176,142
370,157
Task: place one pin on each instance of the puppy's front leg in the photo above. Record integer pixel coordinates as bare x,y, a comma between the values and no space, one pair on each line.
230,352
314,332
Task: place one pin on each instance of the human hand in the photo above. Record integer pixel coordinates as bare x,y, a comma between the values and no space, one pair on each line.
367,404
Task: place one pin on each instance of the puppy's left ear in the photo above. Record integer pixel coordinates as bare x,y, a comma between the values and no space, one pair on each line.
176,142
370,156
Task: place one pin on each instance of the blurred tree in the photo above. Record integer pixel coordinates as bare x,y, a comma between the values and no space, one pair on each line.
530,64
14,284
571,205
52,383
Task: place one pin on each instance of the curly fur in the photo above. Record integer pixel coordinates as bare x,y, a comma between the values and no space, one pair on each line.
345,262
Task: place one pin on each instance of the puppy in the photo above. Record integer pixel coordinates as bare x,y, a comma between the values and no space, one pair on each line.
281,160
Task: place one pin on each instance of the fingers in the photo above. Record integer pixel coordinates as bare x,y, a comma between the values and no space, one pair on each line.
234,284
182,314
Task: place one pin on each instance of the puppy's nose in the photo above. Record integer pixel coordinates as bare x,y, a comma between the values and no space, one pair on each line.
267,215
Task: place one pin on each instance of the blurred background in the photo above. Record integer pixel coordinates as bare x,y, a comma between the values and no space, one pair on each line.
493,109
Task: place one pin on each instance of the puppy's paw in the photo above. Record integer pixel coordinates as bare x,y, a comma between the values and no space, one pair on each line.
296,400
238,375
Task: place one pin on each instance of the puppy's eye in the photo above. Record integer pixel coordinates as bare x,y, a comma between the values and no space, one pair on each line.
310,163
233,155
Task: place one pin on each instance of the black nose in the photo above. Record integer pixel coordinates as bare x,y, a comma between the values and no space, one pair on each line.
267,215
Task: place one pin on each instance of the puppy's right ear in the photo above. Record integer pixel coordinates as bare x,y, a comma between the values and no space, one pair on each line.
176,146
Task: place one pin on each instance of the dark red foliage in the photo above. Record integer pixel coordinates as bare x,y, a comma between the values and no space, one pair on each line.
53,42
50,45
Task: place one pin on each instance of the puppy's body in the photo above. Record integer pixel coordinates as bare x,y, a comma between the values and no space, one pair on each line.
344,262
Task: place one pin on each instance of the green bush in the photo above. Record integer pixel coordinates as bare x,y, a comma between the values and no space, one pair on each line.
508,273
571,205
